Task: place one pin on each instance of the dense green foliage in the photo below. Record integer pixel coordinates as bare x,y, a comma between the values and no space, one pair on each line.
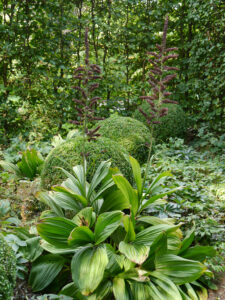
114,254
174,124
129,133
7,270
42,43
69,153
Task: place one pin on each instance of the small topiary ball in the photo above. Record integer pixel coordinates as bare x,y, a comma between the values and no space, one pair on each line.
69,154
174,124
131,134
7,270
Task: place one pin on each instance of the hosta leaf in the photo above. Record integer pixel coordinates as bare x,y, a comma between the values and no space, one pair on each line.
179,270
199,252
81,236
44,271
128,192
136,253
88,266
56,230
106,224
120,290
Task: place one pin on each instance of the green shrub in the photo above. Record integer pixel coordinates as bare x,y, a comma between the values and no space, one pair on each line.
172,125
69,154
133,135
7,270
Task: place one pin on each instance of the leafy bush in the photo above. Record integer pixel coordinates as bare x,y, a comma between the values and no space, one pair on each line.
7,270
114,254
129,133
70,152
174,124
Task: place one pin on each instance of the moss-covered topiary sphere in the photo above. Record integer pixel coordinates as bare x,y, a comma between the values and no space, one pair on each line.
7,270
133,135
69,154
174,124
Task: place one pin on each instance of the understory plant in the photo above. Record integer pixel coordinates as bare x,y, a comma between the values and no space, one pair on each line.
29,166
100,244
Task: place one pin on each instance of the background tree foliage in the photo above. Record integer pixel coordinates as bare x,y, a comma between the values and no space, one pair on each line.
41,43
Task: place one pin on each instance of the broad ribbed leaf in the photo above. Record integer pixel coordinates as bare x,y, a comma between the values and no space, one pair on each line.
136,173
106,224
179,270
187,241
88,266
149,235
70,195
167,289
33,249
142,290
129,227
135,253
48,199
69,290
56,230
85,217
199,252
56,250
11,168
101,172
81,236
158,196
120,290
44,271
129,193
115,201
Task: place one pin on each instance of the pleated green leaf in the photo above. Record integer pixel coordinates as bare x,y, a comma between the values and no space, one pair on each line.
120,291
56,230
88,266
81,236
149,235
106,224
128,192
199,252
178,269
44,271
85,217
134,252
136,173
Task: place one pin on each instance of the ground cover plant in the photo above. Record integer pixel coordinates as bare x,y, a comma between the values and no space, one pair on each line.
92,204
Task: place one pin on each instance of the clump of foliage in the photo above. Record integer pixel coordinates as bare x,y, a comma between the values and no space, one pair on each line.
129,133
29,166
70,153
201,203
98,231
7,270
174,124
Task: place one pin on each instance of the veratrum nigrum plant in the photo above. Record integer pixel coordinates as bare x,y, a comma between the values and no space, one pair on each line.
159,77
99,244
85,104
